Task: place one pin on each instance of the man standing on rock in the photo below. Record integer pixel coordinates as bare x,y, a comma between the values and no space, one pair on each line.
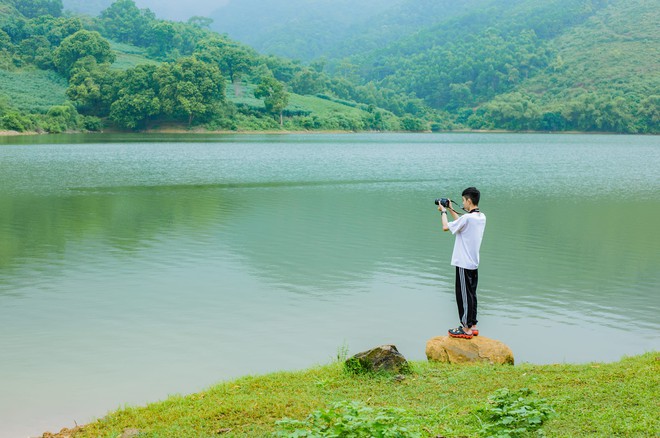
469,231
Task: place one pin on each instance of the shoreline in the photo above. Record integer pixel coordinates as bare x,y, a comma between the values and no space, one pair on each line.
174,131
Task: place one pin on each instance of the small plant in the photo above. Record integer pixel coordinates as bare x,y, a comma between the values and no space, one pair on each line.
349,419
513,414
342,352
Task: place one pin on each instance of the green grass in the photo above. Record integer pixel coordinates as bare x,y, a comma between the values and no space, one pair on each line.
297,103
129,56
321,107
24,89
32,90
613,399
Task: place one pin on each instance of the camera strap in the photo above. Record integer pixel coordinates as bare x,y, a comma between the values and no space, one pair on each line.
474,210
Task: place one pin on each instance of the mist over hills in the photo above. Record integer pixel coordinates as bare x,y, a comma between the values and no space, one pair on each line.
300,29
305,29
309,29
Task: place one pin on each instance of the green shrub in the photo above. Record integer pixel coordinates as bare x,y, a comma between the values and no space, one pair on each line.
349,419
409,123
91,123
13,122
513,414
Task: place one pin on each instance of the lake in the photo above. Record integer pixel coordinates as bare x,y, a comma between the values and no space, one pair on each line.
133,267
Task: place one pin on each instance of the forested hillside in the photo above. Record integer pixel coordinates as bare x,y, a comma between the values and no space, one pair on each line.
527,65
587,65
127,69
416,65
605,75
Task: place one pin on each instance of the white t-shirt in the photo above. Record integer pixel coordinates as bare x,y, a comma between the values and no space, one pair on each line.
469,231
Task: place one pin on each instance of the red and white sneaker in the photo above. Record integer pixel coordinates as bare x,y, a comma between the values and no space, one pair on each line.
459,333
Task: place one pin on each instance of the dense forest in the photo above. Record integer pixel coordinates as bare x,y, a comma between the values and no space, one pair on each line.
553,66
415,65
169,74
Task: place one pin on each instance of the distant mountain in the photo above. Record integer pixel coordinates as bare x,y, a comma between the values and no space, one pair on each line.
403,19
298,29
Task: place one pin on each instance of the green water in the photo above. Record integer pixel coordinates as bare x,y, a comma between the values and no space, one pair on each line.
135,266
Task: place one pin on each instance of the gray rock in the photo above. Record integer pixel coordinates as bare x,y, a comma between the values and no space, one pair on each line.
385,358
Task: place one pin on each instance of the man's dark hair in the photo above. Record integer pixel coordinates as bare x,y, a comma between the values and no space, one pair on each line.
472,194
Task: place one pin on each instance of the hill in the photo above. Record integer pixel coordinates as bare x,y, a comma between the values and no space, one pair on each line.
611,61
128,69
525,65
558,65
507,64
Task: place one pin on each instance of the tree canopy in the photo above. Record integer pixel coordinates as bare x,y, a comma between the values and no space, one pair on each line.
80,45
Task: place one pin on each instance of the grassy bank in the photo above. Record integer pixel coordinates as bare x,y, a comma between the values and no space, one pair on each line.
613,399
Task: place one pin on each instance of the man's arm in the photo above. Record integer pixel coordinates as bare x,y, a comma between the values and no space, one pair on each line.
443,215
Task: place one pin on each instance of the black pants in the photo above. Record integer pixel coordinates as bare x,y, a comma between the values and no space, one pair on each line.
466,295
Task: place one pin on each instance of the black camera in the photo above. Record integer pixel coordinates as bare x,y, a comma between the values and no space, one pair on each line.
442,201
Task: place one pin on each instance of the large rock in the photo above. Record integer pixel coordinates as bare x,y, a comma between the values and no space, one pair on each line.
385,358
478,349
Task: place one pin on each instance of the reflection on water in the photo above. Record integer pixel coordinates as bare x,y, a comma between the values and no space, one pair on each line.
142,266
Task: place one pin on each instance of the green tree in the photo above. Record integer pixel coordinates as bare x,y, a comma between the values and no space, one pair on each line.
66,114
137,100
161,38
274,95
125,22
190,88
308,81
234,61
61,28
513,111
79,45
648,113
55,29
37,50
92,87
133,110
35,8
409,123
